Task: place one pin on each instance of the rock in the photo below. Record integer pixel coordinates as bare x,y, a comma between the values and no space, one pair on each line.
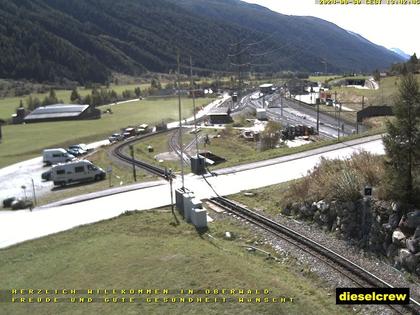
314,208
398,238
395,207
413,219
322,205
403,226
391,251
338,221
295,208
408,260
324,218
387,231
417,232
394,220
334,226
413,245
287,210
306,211
387,227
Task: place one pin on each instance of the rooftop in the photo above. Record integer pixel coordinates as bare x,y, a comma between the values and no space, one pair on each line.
57,111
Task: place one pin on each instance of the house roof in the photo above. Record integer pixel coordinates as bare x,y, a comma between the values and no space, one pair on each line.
219,111
56,111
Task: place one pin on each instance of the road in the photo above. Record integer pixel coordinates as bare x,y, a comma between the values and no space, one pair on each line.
19,226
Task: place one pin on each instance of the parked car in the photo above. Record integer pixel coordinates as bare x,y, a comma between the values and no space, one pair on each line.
77,171
84,147
55,156
129,132
329,102
76,150
46,175
116,137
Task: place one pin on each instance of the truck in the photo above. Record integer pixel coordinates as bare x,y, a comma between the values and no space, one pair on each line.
78,171
55,156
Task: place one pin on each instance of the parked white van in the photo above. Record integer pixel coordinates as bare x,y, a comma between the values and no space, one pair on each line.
55,156
77,171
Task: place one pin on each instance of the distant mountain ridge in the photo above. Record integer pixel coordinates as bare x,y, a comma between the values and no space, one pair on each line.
401,53
85,41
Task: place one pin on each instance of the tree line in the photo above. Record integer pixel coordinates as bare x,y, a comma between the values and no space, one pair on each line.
97,97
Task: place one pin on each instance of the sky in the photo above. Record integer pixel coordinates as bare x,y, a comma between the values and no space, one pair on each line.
391,26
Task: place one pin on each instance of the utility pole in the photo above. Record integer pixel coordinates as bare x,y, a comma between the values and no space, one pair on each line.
239,61
281,105
168,175
193,98
363,102
336,116
132,159
339,121
181,146
33,191
317,117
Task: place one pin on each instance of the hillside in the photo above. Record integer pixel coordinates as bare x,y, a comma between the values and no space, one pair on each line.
84,41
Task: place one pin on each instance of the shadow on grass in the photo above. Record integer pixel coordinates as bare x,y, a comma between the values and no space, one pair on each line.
73,185
176,223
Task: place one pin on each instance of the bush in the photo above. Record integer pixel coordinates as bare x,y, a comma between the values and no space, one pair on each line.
339,179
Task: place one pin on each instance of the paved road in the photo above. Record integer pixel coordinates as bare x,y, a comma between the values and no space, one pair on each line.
18,226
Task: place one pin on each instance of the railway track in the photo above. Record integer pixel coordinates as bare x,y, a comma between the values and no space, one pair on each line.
347,268
174,145
118,152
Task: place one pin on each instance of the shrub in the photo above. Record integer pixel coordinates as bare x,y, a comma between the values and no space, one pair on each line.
339,179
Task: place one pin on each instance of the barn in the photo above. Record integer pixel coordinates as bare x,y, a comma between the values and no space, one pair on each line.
220,115
59,112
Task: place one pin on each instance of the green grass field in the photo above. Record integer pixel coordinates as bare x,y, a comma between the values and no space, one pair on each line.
388,87
21,142
147,250
228,146
271,199
8,105
322,78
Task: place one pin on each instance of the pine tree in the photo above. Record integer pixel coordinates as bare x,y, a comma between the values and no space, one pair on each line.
75,96
402,144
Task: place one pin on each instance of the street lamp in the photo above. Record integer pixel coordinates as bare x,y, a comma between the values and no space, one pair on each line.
24,190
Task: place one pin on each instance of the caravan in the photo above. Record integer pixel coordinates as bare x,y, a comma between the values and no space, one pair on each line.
78,171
